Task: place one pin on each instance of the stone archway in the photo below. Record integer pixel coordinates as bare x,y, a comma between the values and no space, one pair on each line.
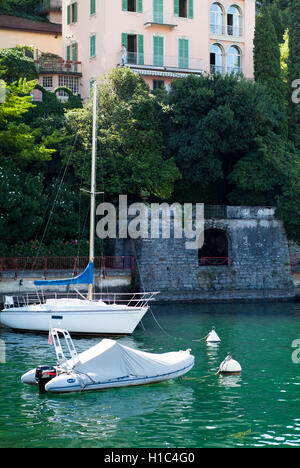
215,250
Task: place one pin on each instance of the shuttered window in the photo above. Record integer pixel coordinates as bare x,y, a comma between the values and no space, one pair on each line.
184,8
158,51
158,11
92,45
183,53
72,13
140,42
92,7
132,5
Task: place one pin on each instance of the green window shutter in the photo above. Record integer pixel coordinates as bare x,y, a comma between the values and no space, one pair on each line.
69,14
75,52
158,51
125,5
125,40
68,52
75,56
183,53
92,7
139,6
158,11
140,45
92,46
75,17
190,8
176,7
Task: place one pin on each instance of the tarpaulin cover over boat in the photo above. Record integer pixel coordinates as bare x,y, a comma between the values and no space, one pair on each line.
110,360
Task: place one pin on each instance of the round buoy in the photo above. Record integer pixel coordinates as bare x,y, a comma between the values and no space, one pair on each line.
230,367
213,337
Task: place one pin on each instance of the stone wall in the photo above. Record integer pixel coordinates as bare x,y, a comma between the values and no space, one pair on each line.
260,263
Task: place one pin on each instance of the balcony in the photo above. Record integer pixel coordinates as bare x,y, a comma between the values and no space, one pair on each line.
45,6
58,66
220,70
222,30
154,18
163,65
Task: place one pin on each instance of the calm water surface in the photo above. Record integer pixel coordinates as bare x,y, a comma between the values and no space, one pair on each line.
260,408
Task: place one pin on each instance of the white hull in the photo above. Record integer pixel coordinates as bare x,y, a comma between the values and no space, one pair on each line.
72,383
76,316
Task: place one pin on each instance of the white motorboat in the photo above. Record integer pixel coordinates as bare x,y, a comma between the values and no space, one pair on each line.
108,364
94,314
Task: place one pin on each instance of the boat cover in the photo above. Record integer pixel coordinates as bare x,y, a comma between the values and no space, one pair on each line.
110,360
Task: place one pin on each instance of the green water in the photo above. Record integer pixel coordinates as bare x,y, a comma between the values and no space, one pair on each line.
260,408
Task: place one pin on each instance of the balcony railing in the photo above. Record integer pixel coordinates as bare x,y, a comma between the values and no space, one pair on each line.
220,70
220,29
160,18
163,61
58,66
44,6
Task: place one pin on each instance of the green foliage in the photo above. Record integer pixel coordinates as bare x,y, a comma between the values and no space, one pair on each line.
215,123
267,67
130,156
15,65
17,141
21,204
294,70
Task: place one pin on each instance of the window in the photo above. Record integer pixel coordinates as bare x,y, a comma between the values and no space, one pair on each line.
48,82
158,51
216,19
216,59
92,46
72,56
234,25
132,5
158,84
134,46
184,8
72,13
71,82
183,53
92,7
158,11
234,60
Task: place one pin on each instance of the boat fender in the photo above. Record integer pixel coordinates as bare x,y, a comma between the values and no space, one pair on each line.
213,337
229,367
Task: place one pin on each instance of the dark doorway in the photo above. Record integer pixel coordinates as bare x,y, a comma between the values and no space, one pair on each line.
132,48
215,248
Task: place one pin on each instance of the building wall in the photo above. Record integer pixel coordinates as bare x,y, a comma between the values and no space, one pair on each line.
259,269
110,21
41,41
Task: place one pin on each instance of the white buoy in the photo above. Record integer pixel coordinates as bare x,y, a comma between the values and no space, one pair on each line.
213,337
229,367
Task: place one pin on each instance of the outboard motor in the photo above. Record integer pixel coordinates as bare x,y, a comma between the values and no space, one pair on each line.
43,375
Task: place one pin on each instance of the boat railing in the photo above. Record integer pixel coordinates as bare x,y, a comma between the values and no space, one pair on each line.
140,299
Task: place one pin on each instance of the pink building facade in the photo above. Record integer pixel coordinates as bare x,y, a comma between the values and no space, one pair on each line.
158,39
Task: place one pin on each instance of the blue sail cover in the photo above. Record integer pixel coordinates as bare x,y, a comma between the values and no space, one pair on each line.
85,278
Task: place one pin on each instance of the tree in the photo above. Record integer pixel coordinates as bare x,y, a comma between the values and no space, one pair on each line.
17,140
220,128
16,64
130,149
267,69
294,71
22,204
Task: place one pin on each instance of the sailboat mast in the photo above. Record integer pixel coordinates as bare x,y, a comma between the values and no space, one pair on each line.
93,185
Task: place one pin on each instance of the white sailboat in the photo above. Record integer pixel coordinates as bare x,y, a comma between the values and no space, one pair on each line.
96,314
